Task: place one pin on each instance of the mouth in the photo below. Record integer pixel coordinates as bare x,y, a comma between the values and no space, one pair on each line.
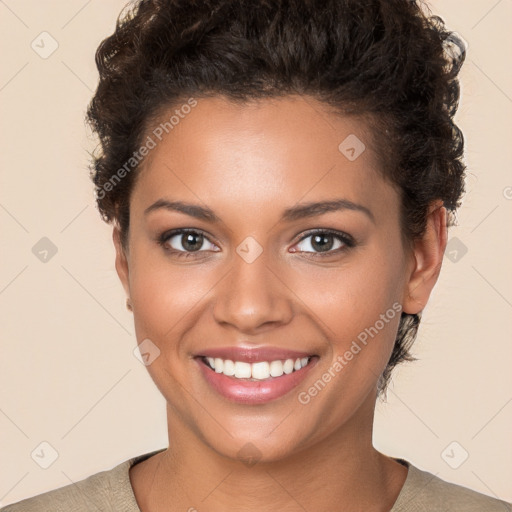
256,371
256,382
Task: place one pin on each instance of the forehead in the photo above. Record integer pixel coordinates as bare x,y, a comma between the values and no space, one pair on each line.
262,153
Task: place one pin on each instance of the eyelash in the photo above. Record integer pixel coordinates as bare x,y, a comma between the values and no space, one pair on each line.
347,240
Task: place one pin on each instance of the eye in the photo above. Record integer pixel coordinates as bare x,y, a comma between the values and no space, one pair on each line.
184,242
324,242
320,242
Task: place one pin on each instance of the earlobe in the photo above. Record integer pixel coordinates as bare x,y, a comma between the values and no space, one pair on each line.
428,259
121,262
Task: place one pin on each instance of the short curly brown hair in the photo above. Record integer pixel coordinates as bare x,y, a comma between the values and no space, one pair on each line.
390,61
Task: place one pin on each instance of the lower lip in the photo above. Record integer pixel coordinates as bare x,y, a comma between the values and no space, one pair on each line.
244,391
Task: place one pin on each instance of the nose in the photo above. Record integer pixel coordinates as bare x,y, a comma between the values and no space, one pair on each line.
252,297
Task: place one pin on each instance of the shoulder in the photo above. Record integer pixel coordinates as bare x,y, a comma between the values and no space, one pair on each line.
92,493
106,491
425,492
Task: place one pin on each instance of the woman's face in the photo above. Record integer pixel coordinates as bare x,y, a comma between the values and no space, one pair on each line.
254,276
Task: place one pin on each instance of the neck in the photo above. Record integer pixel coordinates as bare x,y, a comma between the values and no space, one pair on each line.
343,472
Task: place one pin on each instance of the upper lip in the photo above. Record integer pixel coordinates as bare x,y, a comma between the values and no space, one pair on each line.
252,355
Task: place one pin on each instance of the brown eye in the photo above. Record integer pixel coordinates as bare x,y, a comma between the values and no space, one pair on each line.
324,242
185,241
191,241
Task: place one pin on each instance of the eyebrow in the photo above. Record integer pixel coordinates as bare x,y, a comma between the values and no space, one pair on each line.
300,211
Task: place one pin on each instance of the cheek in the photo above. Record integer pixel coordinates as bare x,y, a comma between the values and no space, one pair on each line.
361,308
166,296
350,298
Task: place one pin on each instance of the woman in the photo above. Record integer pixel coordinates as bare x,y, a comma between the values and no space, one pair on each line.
280,178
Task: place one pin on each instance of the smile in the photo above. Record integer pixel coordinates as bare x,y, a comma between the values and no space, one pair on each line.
254,383
256,371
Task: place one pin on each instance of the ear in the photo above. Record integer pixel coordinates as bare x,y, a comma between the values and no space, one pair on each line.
427,257
122,266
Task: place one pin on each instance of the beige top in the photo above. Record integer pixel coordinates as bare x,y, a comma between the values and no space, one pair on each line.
111,490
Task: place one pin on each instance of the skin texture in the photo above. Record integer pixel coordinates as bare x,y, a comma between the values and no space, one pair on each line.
248,163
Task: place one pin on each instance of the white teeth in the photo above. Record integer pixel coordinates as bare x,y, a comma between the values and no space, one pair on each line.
276,369
219,365
288,366
261,370
229,367
258,371
242,370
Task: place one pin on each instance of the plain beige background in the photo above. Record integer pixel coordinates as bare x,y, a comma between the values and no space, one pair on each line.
68,373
